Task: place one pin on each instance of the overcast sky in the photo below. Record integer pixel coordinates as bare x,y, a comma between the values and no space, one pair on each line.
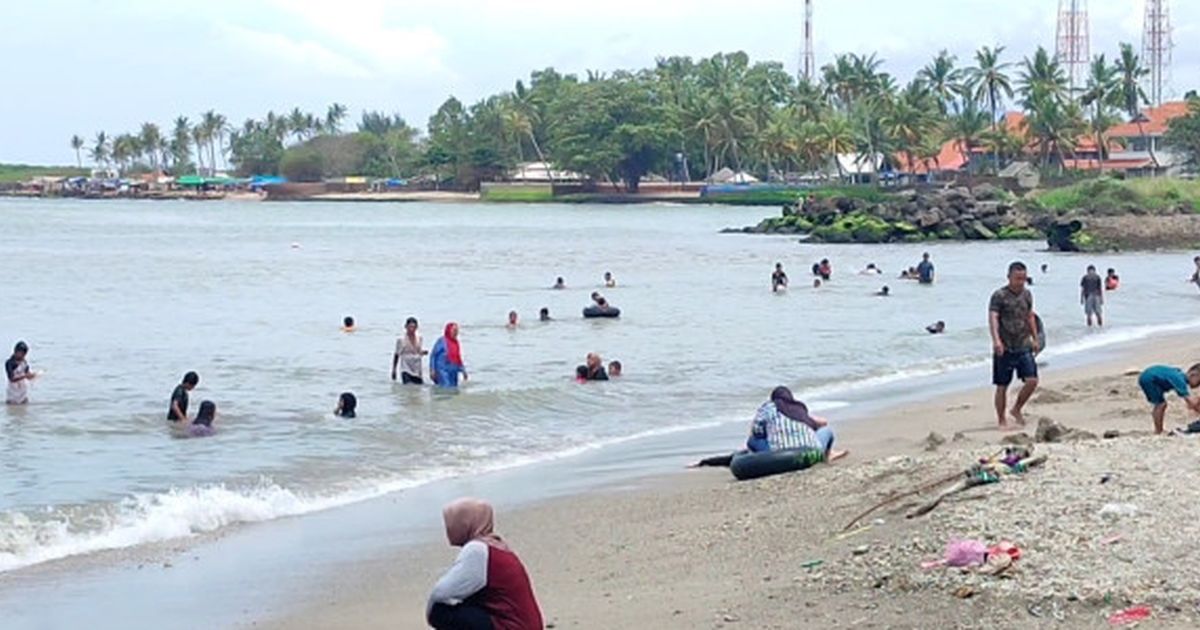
85,65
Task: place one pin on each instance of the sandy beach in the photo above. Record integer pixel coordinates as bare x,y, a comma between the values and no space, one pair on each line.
1104,525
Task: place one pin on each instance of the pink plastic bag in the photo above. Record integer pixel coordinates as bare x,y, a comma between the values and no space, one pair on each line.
1129,615
964,553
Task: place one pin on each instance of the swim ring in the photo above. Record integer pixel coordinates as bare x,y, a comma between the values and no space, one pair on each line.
746,465
595,312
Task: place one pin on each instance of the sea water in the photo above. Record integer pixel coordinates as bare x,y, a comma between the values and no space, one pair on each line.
118,299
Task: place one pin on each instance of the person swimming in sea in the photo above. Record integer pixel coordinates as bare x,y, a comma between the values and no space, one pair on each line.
348,325
614,369
816,283
595,368
581,373
884,292
599,300
513,320
936,328
202,424
609,280
544,315
871,270
779,279
1112,281
559,284
823,269
347,405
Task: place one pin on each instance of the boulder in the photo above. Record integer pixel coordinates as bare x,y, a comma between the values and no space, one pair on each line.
976,230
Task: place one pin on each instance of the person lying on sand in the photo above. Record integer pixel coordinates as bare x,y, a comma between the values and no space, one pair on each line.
487,586
1159,380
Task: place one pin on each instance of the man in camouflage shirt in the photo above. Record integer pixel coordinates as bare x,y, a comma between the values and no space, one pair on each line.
1014,343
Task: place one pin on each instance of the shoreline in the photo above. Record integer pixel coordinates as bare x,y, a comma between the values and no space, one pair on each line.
637,555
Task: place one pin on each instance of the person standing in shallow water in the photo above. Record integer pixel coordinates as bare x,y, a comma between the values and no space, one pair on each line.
408,355
925,270
1091,296
177,412
779,279
446,362
1013,326
18,375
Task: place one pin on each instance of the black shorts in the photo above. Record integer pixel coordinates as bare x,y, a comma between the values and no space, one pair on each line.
1019,361
409,379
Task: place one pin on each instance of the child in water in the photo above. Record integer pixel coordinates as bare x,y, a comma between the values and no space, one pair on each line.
581,374
348,324
614,369
202,425
346,405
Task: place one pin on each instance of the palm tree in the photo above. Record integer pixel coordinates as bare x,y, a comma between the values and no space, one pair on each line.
1043,75
968,129
181,139
943,80
214,133
334,117
836,137
1054,125
905,123
77,145
200,137
1100,94
151,142
100,150
1130,71
989,82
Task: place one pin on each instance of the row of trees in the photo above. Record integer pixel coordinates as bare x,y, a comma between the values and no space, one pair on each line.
682,118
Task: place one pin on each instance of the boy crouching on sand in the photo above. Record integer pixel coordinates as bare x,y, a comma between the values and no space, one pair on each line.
1159,380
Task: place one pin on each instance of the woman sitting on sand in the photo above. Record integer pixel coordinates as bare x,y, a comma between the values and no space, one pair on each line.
784,423
488,587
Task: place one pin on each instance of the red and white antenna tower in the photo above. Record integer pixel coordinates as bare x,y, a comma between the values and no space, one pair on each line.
808,63
1073,43
1156,49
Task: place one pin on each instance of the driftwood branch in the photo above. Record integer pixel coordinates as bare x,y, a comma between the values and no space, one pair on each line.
896,497
971,482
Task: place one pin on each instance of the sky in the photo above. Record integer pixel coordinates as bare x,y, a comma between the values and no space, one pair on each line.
82,66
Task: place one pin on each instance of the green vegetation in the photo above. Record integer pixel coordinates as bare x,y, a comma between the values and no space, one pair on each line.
13,173
683,118
1106,196
787,196
1184,133
517,194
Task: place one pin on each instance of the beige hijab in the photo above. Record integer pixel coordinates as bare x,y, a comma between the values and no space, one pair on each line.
470,519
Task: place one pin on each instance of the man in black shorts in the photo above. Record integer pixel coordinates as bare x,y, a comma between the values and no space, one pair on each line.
1014,342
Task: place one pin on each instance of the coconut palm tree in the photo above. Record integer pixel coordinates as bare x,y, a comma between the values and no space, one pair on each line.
77,145
151,142
1043,75
943,80
1130,71
100,150
989,82
1100,94
1054,125
180,146
968,129
334,117
200,137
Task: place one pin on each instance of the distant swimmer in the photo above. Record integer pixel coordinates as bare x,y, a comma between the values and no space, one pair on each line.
925,270
513,320
348,325
16,368
779,279
825,269
609,280
816,283
884,292
1112,281
544,315
614,369
936,328
871,270
559,284
347,406
409,350
177,412
595,368
581,373
1196,274
599,300
202,425
446,362
909,274
1091,296
1045,268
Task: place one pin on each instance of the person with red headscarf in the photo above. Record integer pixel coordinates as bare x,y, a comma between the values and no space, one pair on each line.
445,361
488,587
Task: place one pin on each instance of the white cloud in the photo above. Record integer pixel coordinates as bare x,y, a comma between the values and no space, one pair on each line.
304,53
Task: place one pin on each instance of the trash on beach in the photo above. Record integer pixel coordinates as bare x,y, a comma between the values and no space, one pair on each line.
1129,615
964,592
812,564
1105,478
1109,540
1012,460
1117,510
964,553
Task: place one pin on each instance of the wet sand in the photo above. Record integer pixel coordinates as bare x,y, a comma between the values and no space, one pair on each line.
697,550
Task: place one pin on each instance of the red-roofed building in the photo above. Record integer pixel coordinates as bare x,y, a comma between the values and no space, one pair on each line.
1142,150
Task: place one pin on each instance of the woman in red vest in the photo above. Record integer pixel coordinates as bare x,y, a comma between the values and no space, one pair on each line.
487,588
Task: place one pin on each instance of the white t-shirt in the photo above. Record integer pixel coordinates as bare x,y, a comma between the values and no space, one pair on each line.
410,355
